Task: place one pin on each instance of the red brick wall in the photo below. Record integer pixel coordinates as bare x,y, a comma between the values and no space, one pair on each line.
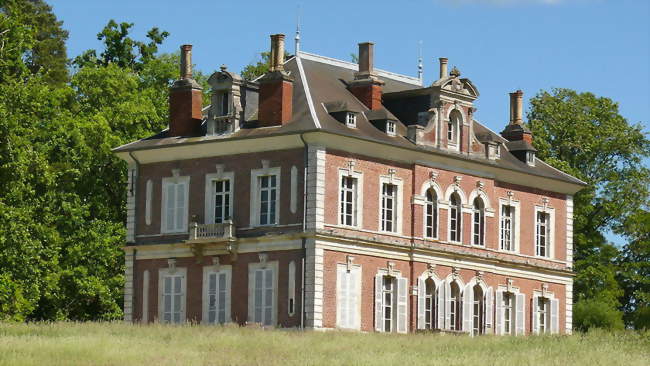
369,94
185,112
275,102
370,266
239,286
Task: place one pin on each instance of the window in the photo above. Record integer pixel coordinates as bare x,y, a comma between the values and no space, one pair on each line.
478,311
478,228
508,313
451,131
431,214
268,199
507,227
224,106
391,301
171,290
453,128
351,119
455,318
388,207
262,293
455,218
348,201
542,234
216,295
390,127
348,297
174,206
530,158
221,191
543,314
388,303
430,304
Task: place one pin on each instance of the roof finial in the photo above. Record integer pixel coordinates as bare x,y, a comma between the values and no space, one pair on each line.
420,66
297,37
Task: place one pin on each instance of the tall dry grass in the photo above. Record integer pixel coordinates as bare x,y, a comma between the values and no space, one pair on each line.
157,345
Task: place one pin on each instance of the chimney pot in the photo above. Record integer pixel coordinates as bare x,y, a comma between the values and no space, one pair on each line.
277,52
186,61
366,58
516,107
443,67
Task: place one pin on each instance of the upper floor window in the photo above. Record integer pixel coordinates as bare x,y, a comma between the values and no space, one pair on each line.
388,207
348,201
507,227
175,205
265,196
542,234
351,120
478,228
453,129
268,199
390,127
455,218
222,193
431,214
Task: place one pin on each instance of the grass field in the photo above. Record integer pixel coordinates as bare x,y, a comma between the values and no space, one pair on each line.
156,345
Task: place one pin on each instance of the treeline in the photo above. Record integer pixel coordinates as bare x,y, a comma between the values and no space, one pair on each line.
62,192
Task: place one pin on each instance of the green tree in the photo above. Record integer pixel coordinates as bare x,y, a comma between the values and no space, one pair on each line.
585,135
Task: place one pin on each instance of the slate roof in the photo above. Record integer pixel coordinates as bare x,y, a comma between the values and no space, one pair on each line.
320,81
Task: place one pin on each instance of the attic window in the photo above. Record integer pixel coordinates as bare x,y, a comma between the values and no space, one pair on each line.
530,158
390,127
351,120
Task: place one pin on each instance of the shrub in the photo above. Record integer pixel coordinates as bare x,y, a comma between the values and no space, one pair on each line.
595,313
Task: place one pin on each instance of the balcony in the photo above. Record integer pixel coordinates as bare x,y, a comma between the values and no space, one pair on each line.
212,233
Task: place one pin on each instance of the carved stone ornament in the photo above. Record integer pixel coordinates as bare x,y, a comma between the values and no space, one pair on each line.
219,168
509,283
545,201
391,268
215,261
171,263
479,275
433,175
545,289
176,173
455,272
480,185
348,262
431,268
351,165
263,258
391,174
265,163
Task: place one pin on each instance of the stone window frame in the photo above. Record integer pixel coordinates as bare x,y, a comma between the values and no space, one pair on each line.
255,194
172,271
209,194
166,181
207,270
399,204
516,227
252,267
348,269
358,196
550,240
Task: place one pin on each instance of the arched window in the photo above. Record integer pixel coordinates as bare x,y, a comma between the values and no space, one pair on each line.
453,128
430,305
455,225
431,214
478,228
455,316
478,317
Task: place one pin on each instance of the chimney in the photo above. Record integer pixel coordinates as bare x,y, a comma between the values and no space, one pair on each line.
366,86
515,130
276,88
185,100
443,67
516,107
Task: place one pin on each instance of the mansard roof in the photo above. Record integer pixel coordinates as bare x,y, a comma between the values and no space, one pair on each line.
321,81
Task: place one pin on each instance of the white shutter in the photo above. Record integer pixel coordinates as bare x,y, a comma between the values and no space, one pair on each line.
340,316
448,306
520,314
489,302
441,305
182,299
402,304
535,316
555,319
354,295
228,294
251,296
170,200
421,294
499,313
468,298
378,312
181,203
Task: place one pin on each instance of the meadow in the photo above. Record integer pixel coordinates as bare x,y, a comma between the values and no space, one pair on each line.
124,344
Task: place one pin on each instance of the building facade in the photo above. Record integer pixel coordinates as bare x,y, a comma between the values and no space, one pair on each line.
331,195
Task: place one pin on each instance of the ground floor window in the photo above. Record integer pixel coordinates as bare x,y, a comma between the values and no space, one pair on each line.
348,297
391,301
508,313
455,308
216,294
262,299
171,287
478,311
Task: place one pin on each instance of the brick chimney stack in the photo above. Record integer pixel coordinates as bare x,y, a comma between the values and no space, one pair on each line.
276,88
515,130
185,100
443,67
366,86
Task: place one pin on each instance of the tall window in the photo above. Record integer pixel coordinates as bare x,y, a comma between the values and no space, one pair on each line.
431,214
175,205
542,234
216,296
478,235
455,228
172,298
543,315
507,227
225,103
455,318
430,305
388,303
348,297
508,313
453,127
221,191
348,201
388,207
478,317
268,199
263,295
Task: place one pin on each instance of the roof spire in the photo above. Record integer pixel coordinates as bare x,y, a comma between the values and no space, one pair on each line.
297,37
420,66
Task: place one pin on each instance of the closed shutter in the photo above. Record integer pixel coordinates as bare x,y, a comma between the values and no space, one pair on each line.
251,296
468,299
421,294
228,275
378,317
535,315
181,207
166,299
354,297
340,298
402,302
182,290
499,313
448,306
520,314
489,302
555,319
441,306
212,298
170,201
269,310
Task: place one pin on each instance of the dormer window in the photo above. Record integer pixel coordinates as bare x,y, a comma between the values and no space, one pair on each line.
453,130
530,158
390,128
351,120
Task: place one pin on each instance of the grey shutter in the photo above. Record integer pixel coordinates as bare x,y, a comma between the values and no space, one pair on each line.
228,294
421,294
441,305
535,315
520,314
378,312
489,301
181,207
402,304
555,319
499,313
448,305
355,294
468,298
340,315
170,201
